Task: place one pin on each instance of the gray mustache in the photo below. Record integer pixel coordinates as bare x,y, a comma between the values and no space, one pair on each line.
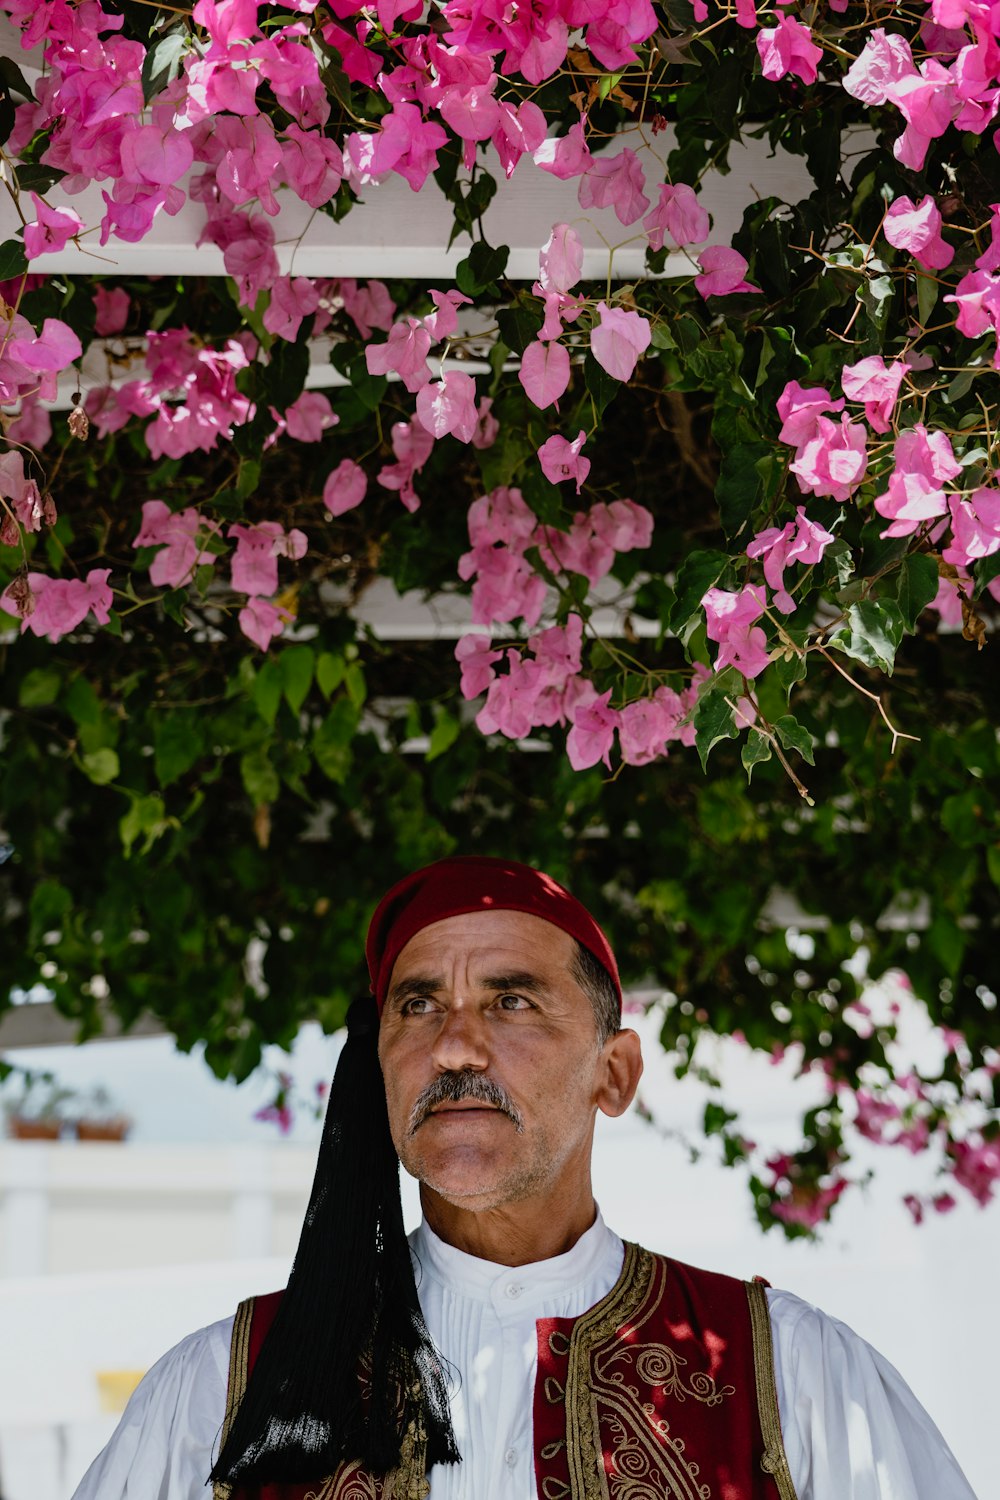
450,1088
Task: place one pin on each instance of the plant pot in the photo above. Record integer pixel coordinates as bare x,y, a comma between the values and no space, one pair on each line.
102,1130
33,1130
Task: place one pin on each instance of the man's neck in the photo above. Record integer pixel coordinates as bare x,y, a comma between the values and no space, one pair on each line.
515,1234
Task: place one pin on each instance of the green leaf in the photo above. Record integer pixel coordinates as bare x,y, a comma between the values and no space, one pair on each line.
13,80
699,572
985,570
788,670
13,261
145,819
756,750
178,741
602,387
993,863
82,703
444,734
917,586
296,665
481,268
739,485
163,62
517,327
248,477
713,714
260,779
927,295
39,688
331,744
268,687
795,736
354,681
873,633
330,671
50,903
101,766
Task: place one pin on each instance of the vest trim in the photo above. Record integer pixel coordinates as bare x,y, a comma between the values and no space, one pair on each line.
239,1364
774,1460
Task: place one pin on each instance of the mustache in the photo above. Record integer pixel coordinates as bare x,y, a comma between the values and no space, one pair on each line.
450,1088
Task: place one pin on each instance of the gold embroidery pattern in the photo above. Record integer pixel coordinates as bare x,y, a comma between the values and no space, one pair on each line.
647,1462
774,1460
239,1355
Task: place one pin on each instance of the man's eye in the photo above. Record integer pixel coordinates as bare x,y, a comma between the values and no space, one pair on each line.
513,1002
418,1006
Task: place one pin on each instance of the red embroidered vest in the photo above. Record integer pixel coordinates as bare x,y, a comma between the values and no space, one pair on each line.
664,1390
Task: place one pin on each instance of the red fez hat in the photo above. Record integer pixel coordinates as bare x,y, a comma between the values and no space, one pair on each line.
466,883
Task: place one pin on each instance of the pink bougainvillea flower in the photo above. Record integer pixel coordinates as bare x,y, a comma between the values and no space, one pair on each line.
404,353
923,464
623,525
412,445
345,487
309,416
786,48
261,620
544,372
563,460
154,156
51,350
112,305
801,541
876,384
487,425
180,535
566,155
975,527
511,698
476,656
990,258
730,621
32,425
800,409
977,298
927,101
615,182
449,406
558,651
678,213
60,605
646,726
313,164
916,227
593,733
883,60
473,113
254,563
443,322
519,132
834,461
292,299
618,340
560,260
50,230
723,272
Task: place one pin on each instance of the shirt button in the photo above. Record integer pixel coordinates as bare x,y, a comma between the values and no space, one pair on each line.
510,1458
512,1289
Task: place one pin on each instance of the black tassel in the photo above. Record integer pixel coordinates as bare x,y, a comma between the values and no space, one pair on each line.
350,1308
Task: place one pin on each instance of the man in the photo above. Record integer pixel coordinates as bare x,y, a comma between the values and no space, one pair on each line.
514,1347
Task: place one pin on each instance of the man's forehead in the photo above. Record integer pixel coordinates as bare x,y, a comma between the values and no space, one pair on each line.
483,939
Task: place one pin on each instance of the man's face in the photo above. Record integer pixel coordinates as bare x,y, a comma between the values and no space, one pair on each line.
487,1002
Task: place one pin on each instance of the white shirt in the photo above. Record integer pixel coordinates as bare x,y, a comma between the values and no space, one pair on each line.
852,1428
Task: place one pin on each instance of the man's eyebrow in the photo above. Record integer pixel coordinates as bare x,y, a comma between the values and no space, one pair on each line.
518,979
418,984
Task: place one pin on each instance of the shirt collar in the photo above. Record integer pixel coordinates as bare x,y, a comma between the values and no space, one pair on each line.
597,1251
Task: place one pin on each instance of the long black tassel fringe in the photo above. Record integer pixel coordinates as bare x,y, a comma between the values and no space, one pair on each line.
350,1306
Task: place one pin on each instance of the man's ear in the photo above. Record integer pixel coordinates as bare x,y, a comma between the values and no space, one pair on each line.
621,1061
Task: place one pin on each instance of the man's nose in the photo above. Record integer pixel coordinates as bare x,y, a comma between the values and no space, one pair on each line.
461,1041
